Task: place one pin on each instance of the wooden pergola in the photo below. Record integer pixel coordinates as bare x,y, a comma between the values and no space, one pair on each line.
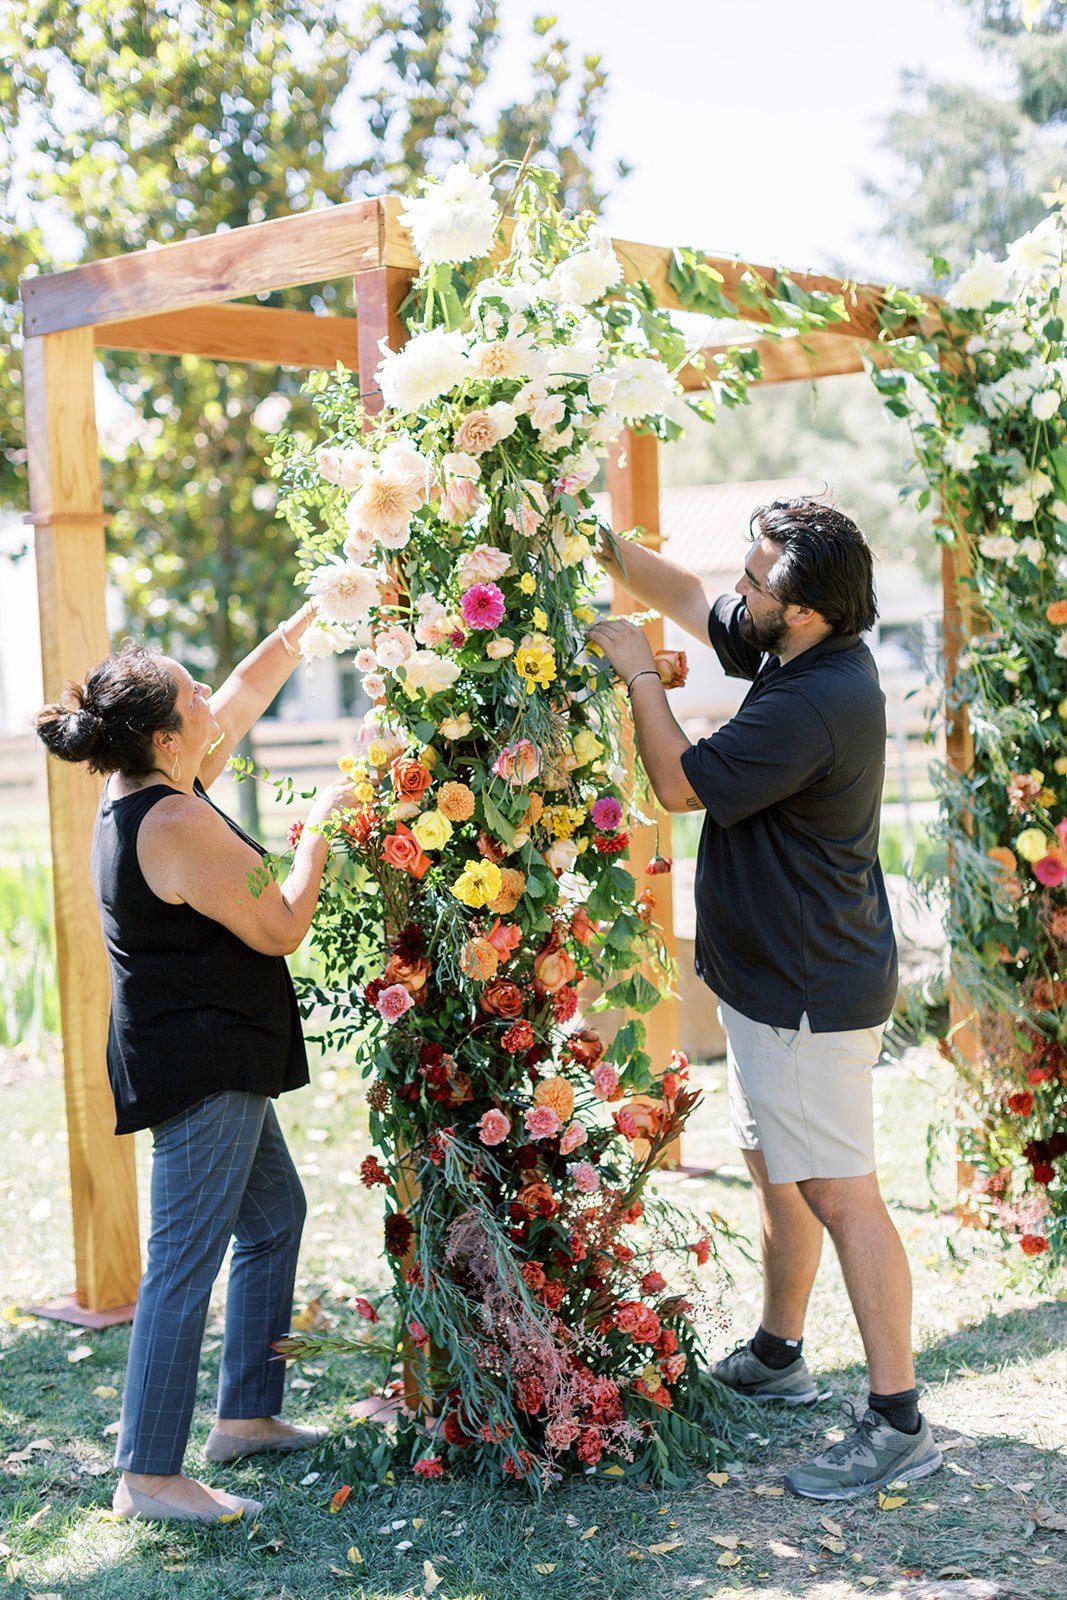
184,299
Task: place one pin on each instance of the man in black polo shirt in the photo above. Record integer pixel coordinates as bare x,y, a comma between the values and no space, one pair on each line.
794,936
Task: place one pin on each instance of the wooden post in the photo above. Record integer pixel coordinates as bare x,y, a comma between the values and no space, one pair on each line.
379,296
67,515
633,484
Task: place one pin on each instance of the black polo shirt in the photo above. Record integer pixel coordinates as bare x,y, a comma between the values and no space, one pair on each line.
792,913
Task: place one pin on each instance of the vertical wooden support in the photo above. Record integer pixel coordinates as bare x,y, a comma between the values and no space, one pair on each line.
67,513
633,484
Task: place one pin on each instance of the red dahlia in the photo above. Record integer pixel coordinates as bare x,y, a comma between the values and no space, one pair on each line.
399,1234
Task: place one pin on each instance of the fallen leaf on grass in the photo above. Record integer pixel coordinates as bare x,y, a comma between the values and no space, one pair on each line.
729,1541
305,1320
105,1391
785,1552
418,1522
589,1532
338,1500
665,1547
768,1488
1040,1516
729,1558
544,1567
955,1572
614,1472
81,1352
355,1555
431,1580
635,1555
718,1478
831,1526
831,1542
112,1428
868,1583
890,1502
960,1442
16,1318
233,1516
405,1544
309,1478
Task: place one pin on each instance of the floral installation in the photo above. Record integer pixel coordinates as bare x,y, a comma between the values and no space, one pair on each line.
985,393
547,1294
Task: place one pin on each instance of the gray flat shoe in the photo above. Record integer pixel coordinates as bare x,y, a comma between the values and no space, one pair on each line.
133,1506
223,1447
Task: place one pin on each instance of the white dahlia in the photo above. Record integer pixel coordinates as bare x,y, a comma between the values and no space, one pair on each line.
343,591
454,220
426,367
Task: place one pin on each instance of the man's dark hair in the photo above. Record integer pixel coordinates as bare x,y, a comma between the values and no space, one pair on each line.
825,562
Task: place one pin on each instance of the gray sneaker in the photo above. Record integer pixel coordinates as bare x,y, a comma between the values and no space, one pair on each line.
744,1371
876,1454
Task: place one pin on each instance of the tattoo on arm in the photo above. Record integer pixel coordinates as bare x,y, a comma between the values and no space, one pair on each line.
693,804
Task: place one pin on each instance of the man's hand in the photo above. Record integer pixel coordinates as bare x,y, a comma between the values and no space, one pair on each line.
625,646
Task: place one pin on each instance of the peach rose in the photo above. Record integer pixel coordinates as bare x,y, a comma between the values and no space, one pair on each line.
638,1120
554,968
401,849
512,889
476,434
672,666
505,939
581,927
557,1094
518,764
412,974
455,801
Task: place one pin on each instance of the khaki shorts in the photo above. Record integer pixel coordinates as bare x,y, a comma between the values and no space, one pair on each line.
805,1099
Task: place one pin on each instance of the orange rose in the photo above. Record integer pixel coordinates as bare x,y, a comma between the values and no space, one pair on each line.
455,801
638,1119
410,779
673,668
585,1047
412,974
479,960
558,1094
537,1199
502,998
402,850
581,927
512,889
554,968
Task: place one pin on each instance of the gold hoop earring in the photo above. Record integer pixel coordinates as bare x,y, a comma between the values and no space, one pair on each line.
176,770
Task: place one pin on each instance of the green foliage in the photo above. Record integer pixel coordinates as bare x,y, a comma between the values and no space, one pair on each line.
29,996
974,162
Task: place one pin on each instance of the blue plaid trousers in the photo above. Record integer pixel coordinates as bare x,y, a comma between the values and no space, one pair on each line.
219,1171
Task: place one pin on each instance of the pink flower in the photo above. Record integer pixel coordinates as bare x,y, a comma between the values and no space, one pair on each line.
1050,871
542,1122
494,1127
429,1467
460,500
585,1177
482,606
366,1310
605,1080
573,1136
606,813
518,763
393,1002
419,1335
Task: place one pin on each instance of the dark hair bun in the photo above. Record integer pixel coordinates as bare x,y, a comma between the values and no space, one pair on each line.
108,721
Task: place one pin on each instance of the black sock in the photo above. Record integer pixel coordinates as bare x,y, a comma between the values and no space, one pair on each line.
774,1352
901,1411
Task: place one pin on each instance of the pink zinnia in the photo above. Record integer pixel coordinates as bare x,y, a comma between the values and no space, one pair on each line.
585,1177
605,1080
1050,871
606,813
393,1002
482,606
574,1135
542,1122
494,1127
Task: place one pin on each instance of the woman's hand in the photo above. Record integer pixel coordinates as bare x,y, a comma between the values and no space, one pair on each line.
331,801
625,646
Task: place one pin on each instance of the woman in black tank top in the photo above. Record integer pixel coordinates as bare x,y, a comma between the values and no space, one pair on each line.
204,1033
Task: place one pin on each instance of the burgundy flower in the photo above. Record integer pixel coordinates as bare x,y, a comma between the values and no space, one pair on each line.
399,1233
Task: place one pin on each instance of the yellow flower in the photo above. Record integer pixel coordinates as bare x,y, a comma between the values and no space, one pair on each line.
428,756
432,830
528,583
365,793
456,727
562,820
653,1378
1046,797
1032,844
584,614
586,747
535,662
540,619
350,766
1062,708
377,753
1061,765
478,883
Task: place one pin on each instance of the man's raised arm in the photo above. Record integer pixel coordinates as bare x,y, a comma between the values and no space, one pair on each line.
658,583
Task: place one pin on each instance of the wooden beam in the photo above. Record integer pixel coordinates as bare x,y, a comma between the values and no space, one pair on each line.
255,334
807,358
307,247
66,507
379,295
633,484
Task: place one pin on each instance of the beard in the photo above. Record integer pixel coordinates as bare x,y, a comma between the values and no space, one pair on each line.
769,633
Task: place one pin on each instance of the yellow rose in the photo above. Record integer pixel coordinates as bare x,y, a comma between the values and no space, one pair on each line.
528,583
349,765
1032,844
428,756
365,793
432,830
540,619
378,753
478,884
586,747
584,614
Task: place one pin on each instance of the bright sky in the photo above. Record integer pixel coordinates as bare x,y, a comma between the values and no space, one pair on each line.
751,127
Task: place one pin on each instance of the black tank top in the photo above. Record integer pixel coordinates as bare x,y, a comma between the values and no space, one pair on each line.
194,1010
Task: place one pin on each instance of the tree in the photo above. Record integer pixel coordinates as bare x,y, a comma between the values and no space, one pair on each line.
974,164
167,120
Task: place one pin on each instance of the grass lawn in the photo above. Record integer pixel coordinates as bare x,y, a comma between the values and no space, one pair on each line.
992,1358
